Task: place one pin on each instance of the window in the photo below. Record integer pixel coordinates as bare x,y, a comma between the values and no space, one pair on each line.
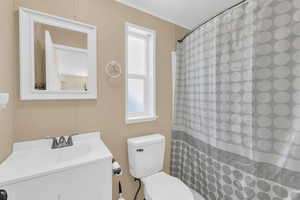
140,74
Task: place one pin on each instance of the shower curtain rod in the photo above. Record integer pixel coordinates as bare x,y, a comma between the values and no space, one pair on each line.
235,5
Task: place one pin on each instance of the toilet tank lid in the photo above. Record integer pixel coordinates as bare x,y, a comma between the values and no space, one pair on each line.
146,140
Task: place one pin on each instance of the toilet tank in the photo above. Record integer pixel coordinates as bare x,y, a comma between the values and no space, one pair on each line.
146,155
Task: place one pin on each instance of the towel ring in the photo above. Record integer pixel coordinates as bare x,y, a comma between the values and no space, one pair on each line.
113,69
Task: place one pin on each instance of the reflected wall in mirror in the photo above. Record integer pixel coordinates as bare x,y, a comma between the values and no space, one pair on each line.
62,54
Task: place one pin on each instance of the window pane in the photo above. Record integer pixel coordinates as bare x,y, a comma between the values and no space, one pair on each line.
136,55
135,95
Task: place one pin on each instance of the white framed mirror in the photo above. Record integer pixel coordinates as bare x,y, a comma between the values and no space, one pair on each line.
58,58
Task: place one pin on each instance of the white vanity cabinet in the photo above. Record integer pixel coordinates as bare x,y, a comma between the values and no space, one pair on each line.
89,179
89,182
43,188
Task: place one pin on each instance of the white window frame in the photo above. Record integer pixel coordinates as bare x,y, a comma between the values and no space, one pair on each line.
149,78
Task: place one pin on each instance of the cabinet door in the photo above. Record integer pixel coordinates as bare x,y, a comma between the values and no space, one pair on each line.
44,188
89,182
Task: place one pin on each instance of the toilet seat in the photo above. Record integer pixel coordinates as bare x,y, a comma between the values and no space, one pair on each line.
162,186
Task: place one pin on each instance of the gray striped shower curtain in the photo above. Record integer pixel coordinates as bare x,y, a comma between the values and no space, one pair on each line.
236,126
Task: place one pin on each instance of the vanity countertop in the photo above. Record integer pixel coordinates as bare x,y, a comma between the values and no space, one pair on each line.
36,158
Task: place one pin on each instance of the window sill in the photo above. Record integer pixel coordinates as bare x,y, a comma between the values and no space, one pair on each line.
141,119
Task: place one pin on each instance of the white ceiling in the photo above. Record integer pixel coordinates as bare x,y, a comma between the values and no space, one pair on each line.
185,13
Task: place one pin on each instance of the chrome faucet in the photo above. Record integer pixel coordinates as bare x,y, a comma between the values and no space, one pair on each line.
61,142
70,139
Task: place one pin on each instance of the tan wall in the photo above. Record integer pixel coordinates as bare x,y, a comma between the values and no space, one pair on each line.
7,75
37,119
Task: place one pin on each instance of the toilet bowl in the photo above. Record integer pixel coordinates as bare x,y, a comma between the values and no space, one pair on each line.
162,186
146,159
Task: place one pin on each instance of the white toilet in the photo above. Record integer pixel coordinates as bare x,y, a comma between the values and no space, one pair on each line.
146,159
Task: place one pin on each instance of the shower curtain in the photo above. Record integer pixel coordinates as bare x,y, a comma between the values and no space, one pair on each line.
236,126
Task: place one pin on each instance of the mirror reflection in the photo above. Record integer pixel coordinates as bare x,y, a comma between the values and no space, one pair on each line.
61,59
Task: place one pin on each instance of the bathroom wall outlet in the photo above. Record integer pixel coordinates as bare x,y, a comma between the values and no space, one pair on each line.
4,98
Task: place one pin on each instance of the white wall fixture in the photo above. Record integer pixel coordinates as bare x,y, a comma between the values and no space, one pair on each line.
58,57
4,98
113,69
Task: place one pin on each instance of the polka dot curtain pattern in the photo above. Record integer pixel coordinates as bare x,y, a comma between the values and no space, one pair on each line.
236,127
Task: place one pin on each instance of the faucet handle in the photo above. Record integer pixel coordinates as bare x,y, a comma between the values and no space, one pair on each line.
54,141
70,139
3,195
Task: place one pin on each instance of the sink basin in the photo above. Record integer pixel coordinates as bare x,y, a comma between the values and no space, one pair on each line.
71,153
36,158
